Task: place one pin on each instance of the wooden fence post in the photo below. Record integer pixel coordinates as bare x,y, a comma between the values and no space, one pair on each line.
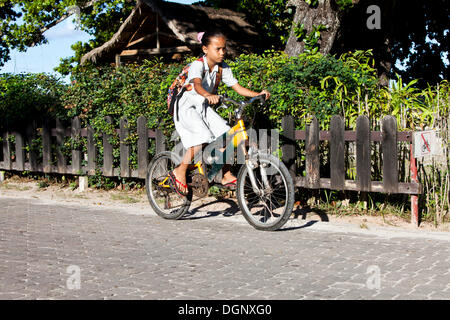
76,153
91,150
337,153
31,135
142,146
160,147
288,146
20,152
46,147
363,164
160,141
108,170
6,151
312,155
60,135
389,151
124,149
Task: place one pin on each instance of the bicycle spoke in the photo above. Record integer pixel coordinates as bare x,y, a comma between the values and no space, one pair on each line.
164,200
268,209
272,201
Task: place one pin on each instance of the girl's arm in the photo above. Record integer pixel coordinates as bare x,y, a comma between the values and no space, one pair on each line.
249,93
212,99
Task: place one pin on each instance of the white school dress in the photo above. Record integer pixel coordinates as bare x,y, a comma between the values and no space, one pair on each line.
197,125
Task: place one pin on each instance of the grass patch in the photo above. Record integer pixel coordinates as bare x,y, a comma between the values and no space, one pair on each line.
12,186
123,198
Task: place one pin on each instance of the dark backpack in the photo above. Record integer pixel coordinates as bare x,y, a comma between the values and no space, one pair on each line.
178,86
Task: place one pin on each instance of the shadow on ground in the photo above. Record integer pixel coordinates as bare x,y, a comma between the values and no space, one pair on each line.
229,212
300,213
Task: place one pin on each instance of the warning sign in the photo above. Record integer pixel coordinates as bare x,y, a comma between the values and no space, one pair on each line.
426,143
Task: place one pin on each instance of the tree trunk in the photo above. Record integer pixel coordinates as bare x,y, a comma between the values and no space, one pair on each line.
347,31
354,34
324,14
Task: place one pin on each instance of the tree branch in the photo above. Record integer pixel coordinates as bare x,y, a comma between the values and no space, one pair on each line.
65,16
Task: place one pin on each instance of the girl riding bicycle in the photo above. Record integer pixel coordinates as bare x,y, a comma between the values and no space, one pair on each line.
196,124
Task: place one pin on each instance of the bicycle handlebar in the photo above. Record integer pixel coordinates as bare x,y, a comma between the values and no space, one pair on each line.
240,104
261,98
238,112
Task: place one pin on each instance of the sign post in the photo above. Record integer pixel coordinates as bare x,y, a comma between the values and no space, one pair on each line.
414,197
425,143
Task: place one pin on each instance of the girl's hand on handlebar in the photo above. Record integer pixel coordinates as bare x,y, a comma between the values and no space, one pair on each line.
213,99
267,93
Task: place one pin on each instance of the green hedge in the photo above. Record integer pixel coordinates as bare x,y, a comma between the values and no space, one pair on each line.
297,86
29,96
129,91
301,86
297,83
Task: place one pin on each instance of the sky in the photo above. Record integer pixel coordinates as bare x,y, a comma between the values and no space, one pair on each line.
46,57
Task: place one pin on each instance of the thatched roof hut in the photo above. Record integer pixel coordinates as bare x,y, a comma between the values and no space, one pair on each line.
168,29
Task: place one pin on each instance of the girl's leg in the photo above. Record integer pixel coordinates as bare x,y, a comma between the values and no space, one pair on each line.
181,171
227,177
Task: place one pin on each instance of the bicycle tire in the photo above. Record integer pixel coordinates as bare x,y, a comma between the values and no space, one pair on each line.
160,198
283,188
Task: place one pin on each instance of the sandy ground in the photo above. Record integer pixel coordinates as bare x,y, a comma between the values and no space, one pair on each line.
135,202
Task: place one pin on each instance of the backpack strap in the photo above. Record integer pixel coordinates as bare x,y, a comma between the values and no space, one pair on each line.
218,78
177,98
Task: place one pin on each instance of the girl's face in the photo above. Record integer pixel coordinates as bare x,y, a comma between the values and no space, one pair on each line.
216,49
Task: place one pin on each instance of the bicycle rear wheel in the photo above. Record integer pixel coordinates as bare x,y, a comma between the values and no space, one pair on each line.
270,208
166,202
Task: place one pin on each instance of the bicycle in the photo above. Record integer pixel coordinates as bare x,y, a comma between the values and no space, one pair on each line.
264,187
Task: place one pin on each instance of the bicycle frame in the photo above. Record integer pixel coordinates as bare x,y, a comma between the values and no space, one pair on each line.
239,137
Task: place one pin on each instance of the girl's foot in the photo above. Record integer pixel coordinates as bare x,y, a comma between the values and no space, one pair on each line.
229,181
179,182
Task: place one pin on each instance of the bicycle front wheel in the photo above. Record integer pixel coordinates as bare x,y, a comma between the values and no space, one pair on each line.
270,206
166,203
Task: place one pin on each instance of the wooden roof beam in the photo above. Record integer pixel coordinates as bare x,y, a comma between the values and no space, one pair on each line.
134,52
148,37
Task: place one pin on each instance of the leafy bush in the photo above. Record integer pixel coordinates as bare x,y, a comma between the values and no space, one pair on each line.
306,84
128,91
29,96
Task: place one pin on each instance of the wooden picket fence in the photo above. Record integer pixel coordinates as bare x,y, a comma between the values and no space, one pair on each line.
33,164
337,136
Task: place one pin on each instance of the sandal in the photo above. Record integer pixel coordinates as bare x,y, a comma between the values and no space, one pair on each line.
230,185
175,183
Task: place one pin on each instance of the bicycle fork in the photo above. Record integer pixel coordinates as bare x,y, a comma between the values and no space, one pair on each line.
251,162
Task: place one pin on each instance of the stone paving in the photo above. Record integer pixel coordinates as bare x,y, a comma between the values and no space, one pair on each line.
60,251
